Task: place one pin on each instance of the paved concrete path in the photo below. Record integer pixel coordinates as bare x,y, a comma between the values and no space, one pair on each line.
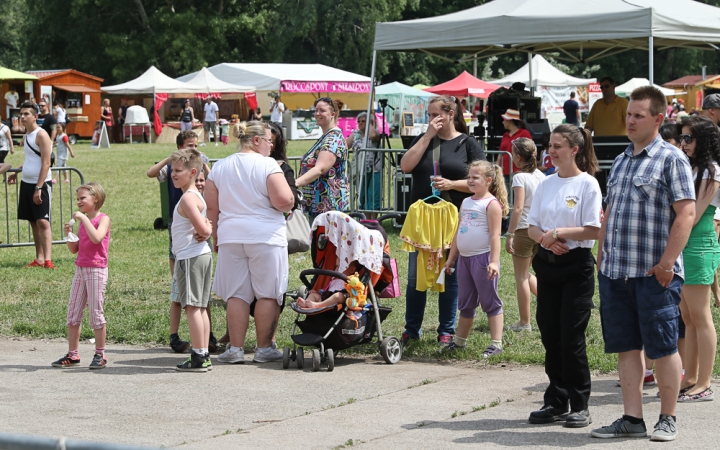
139,399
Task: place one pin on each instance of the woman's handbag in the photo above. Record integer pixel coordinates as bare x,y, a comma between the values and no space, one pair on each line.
393,289
298,232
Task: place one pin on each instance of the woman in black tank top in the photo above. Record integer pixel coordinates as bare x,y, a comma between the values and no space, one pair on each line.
188,117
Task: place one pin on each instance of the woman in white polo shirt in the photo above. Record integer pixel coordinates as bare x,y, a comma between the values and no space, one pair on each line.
565,220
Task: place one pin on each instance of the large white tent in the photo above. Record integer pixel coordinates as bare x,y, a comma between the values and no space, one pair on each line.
404,98
268,77
626,88
153,82
543,74
581,31
211,84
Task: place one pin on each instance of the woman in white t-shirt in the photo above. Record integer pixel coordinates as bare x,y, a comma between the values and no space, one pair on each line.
565,220
246,195
517,242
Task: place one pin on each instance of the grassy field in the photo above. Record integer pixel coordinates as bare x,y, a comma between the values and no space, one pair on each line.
33,301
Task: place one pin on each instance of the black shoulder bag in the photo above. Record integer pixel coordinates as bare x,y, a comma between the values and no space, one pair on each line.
37,152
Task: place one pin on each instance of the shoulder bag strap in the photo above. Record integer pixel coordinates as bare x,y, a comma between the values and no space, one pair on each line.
445,195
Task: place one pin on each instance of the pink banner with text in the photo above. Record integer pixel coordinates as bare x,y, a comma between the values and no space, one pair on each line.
325,86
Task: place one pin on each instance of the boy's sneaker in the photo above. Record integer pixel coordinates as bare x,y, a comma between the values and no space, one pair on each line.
207,363
269,354
665,429
518,327
452,347
232,355
179,346
66,362
491,351
649,381
99,361
195,363
621,428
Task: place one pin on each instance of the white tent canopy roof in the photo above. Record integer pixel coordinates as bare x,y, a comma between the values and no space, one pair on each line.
626,89
544,74
396,88
590,28
267,77
152,82
211,84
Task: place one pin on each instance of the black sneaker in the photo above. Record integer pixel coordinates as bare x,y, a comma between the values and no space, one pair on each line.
66,362
195,363
452,347
179,346
212,344
208,363
99,362
578,419
548,414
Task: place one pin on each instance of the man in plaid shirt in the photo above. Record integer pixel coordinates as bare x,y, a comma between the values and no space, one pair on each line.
649,215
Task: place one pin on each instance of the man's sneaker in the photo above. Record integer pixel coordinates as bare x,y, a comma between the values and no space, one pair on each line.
519,327
207,363
99,362
548,414
179,346
578,419
195,363
67,362
406,338
202,144
445,340
269,354
665,429
452,347
34,264
621,428
232,355
490,351
49,265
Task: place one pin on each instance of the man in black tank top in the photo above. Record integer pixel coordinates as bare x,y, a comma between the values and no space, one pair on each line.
35,187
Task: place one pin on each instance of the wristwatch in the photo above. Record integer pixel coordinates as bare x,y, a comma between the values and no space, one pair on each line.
38,188
555,234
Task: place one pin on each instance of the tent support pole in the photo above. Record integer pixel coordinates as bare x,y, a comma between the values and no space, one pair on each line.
370,98
475,66
651,62
530,56
353,197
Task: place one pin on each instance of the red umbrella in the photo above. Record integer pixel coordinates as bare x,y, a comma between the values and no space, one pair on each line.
464,85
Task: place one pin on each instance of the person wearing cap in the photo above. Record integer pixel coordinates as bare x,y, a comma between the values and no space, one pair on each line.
515,129
711,107
187,117
607,116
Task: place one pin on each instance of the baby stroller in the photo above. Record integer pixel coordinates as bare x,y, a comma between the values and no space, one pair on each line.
337,327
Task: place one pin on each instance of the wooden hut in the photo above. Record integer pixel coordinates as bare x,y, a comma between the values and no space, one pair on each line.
79,92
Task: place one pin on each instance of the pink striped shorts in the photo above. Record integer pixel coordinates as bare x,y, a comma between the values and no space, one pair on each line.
88,287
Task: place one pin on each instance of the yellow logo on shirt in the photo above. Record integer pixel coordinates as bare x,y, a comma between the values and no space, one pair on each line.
571,201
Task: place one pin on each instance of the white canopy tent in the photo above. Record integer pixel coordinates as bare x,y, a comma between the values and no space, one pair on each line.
543,74
211,84
153,82
626,89
581,31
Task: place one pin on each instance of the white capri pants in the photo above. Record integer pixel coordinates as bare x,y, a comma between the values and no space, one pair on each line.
186,126
249,271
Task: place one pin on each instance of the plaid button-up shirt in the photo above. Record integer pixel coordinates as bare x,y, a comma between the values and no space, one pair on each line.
641,191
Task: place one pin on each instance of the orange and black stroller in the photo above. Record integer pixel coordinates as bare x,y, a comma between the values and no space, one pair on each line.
341,248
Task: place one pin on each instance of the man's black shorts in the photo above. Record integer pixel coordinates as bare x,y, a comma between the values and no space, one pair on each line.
27,209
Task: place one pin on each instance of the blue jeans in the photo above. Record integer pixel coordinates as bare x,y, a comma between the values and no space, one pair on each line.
415,303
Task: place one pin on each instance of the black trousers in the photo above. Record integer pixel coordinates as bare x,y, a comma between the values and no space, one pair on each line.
565,287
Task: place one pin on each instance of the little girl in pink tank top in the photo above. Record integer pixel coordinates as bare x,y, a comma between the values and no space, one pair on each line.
91,274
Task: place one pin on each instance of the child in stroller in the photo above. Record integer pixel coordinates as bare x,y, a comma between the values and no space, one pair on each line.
350,263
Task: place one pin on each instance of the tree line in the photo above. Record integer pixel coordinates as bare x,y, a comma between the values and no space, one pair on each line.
118,40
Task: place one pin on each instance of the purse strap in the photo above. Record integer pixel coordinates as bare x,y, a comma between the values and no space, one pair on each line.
445,195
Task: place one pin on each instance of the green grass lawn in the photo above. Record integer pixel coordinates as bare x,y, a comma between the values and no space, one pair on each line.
33,301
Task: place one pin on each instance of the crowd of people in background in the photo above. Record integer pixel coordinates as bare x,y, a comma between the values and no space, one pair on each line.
656,231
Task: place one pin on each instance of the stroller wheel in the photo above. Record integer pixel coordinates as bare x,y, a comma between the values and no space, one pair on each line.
300,358
330,357
315,360
391,350
286,357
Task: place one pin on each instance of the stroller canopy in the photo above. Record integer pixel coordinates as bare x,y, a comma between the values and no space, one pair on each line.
353,241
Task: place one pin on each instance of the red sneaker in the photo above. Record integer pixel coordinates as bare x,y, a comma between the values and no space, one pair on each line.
33,264
49,265
445,340
649,381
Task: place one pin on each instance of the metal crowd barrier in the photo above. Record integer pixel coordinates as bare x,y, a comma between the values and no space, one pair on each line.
17,233
26,442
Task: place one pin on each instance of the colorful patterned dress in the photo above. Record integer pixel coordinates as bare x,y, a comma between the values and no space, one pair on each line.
330,191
